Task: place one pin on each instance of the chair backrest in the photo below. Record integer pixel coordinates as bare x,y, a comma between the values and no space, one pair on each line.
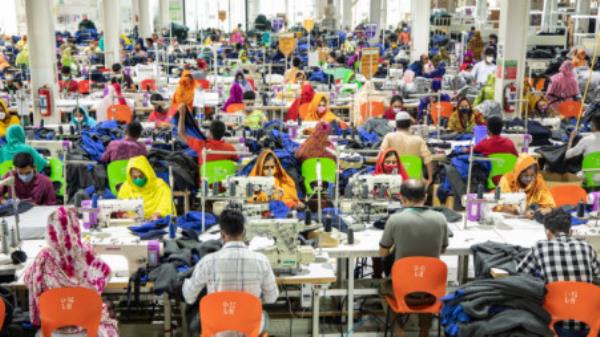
502,163
419,274
235,107
309,172
569,109
119,112
230,311
568,195
577,301
148,83
56,175
117,174
371,109
444,109
5,167
591,169
413,165
2,313
62,307
218,170
84,87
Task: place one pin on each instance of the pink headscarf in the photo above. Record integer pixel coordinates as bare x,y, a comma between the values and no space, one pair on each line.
563,84
67,262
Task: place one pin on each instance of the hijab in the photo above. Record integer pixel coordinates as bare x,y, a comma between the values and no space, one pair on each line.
316,145
282,179
564,83
15,143
184,94
380,169
537,191
306,97
236,96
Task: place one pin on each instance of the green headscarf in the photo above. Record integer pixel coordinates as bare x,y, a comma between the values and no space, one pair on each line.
15,143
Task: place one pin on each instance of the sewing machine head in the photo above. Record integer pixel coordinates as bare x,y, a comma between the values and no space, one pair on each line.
55,148
235,118
382,186
107,209
132,249
247,187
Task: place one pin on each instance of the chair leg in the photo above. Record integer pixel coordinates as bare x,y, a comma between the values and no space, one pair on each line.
439,326
387,321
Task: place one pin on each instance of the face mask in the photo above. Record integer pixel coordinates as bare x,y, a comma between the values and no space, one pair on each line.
489,59
2,115
465,111
396,110
525,181
79,119
140,182
321,109
390,169
26,178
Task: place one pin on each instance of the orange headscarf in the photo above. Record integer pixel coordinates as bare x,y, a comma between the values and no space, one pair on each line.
311,113
537,191
185,90
282,179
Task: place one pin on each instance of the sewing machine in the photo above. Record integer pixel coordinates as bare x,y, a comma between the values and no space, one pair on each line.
56,148
247,187
285,254
107,208
478,209
232,118
382,186
134,250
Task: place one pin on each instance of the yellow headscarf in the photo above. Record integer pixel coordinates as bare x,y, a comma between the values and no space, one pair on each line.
282,179
156,193
537,191
185,90
311,113
8,120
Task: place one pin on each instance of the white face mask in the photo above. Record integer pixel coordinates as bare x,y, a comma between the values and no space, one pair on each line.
489,59
396,110
2,115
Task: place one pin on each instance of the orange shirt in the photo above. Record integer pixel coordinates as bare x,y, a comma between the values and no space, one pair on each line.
198,145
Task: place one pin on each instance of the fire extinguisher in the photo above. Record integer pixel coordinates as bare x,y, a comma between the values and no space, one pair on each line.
509,95
44,101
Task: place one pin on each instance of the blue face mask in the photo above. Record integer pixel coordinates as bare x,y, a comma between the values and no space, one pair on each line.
26,178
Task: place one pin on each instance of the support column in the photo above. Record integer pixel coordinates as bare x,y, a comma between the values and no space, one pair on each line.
548,19
145,19
584,7
347,14
420,10
375,13
254,10
481,12
512,48
42,57
111,21
164,17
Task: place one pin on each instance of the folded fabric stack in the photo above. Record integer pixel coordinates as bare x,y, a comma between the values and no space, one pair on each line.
505,307
492,254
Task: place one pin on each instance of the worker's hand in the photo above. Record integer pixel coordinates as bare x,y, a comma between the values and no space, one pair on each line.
156,216
300,206
278,193
182,110
427,182
529,214
466,149
572,138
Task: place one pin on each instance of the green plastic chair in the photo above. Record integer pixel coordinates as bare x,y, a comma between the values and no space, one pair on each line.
56,175
502,163
591,169
309,172
218,170
413,165
5,167
117,174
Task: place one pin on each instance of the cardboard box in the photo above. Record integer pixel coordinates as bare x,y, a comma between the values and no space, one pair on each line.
558,179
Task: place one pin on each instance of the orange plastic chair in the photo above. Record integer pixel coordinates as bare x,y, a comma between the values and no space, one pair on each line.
148,83
444,109
417,275
84,87
62,307
205,84
230,311
577,301
2,313
371,109
121,113
569,109
235,107
568,195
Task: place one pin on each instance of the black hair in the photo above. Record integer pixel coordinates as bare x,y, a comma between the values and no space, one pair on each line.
557,221
134,129
489,52
413,190
296,62
23,160
217,130
396,98
65,70
116,67
596,121
232,222
156,97
494,125
249,95
403,124
494,36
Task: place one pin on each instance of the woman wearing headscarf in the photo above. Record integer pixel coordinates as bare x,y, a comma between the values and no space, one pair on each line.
563,85
184,94
67,262
463,118
268,165
142,183
476,45
526,177
241,80
6,118
236,96
81,118
318,111
388,162
15,143
580,58
67,59
306,97
317,144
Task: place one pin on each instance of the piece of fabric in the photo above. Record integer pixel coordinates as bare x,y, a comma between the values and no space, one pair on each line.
283,181
184,94
491,254
123,149
66,262
236,96
407,144
156,193
537,191
255,119
15,143
39,190
317,144
487,92
381,169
